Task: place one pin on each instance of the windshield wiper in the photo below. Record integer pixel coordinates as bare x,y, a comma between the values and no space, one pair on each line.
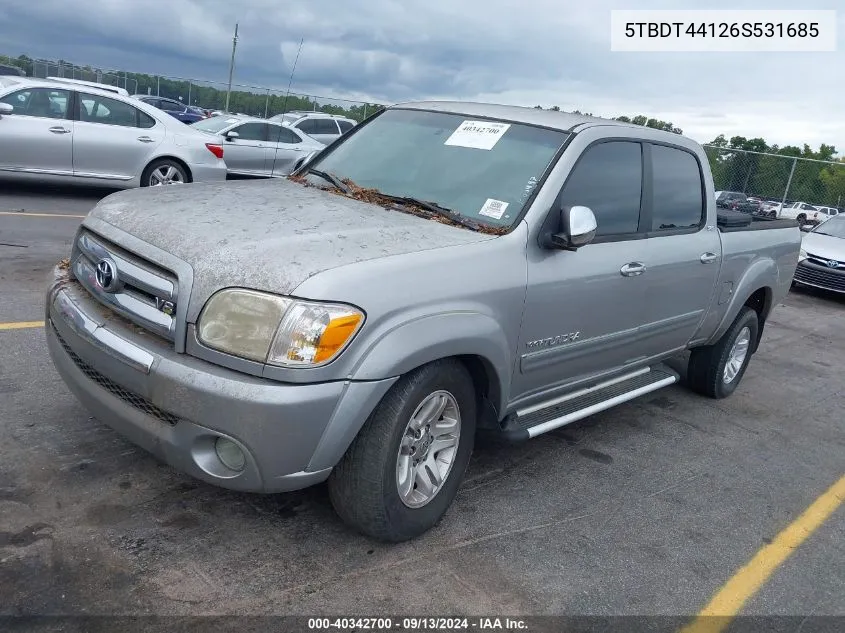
436,209
329,177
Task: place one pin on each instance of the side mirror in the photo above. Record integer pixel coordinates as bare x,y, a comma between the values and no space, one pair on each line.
232,135
6,108
571,229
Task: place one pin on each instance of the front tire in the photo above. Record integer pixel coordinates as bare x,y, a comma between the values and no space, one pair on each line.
716,370
403,470
801,219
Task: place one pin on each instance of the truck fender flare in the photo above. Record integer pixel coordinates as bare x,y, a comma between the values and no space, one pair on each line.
402,349
426,339
756,276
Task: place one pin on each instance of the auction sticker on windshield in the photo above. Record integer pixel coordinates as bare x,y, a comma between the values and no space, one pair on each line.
477,134
493,208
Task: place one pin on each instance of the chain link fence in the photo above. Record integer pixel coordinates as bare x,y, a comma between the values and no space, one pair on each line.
260,101
778,177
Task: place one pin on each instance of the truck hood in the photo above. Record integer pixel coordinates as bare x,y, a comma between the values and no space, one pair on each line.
268,235
825,246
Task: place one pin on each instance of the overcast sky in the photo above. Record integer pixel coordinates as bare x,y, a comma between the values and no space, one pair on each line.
526,52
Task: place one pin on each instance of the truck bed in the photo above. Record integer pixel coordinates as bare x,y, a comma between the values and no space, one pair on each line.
734,221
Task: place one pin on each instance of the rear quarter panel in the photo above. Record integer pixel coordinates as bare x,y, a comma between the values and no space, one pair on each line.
751,260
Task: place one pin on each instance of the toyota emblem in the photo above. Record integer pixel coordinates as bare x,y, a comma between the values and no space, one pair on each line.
106,275
832,263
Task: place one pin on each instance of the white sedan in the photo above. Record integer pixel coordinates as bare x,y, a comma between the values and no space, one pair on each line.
63,132
259,147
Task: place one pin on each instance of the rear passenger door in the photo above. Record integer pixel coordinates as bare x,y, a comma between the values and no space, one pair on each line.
284,150
112,139
684,252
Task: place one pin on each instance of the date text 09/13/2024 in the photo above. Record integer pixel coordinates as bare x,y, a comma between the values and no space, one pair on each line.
380,624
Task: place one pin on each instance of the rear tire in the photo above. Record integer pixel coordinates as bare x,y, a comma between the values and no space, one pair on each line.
365,487
165,171
716,370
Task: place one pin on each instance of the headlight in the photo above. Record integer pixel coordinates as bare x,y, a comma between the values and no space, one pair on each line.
277,330
802,254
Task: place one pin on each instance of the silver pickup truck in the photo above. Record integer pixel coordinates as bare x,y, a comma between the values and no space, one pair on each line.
443,270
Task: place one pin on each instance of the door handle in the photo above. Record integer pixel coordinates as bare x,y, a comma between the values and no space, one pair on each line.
708,258
145,139
58,129
633,269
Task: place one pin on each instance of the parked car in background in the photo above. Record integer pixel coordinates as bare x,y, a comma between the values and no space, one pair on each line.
258,147
799,211
318,125
176,109
75,134
14,71
735,201
200,111
821,262
822,214
770,208
308,329
92,84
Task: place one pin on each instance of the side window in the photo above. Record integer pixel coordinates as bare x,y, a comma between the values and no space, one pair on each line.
250,132
279,134
327,126
97,109
608,179
678,189
309,126
145,120
171,106
39,102
807,207
345,126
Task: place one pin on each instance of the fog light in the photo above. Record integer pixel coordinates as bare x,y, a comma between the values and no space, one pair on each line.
230,454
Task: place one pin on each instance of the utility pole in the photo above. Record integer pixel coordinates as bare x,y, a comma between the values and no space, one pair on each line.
231,67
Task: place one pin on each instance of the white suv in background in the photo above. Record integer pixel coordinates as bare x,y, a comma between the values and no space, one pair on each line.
318,125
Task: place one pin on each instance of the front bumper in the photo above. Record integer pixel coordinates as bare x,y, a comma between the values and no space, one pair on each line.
175,406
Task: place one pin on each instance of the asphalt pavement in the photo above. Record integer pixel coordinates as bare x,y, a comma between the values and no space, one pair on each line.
647,509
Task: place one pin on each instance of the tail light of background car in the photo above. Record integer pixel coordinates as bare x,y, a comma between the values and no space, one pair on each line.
215,149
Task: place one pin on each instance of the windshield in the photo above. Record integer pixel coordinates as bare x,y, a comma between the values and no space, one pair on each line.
484,171
835,227
214,124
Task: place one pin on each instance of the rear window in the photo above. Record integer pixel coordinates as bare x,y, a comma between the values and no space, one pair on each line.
678,197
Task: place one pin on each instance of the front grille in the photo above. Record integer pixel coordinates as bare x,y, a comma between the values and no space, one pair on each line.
140,291
824,277
129,397
821,261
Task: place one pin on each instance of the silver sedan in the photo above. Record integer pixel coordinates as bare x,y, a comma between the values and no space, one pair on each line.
63,132
257,147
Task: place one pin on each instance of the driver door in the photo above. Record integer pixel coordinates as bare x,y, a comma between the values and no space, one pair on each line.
583,308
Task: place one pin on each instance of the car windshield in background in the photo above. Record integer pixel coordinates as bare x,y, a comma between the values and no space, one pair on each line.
214,124
483,170
834,227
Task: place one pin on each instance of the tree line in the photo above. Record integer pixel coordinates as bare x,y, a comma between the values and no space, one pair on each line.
757,168
764,173
208,97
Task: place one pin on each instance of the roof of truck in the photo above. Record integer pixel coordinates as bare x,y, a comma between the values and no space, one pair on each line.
564,121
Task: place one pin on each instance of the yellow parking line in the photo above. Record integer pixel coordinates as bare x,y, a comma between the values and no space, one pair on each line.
21,325
730,599
24,214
